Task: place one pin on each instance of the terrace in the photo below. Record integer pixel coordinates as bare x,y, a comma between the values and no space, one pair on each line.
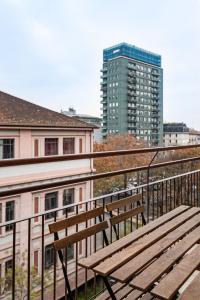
164,186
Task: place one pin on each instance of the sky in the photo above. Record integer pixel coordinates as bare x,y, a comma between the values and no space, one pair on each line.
51,51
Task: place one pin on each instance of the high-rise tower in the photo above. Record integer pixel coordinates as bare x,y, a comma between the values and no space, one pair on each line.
132,98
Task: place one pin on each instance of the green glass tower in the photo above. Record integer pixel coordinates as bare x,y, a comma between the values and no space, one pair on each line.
132,93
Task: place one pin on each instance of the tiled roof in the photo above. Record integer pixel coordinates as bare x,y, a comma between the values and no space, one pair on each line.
20,113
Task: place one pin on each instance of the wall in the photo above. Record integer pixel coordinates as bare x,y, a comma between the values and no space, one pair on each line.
24,204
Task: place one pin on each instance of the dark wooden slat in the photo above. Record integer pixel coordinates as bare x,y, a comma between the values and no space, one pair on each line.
121,291
192,292
120,258
152,273
170,284
105,295
147,297
126,215
78,236
135,294
123,202
80,218
102,254
127,271
121,294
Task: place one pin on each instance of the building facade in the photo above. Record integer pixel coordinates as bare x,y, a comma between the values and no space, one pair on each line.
175,134
96,121
27,131
194,136
132,93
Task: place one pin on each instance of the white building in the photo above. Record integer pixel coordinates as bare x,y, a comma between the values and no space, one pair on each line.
175,134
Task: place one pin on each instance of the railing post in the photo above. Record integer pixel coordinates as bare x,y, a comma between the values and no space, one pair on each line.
148,177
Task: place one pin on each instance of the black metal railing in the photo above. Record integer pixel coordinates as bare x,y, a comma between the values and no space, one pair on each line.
30,268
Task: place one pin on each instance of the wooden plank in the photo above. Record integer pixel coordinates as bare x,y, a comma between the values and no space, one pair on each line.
77,219
170,284
134,295
78,236
121,294
127,271
121,257
123,202
105,295
126,215
147,297
192,292
121,291
100,255
154,271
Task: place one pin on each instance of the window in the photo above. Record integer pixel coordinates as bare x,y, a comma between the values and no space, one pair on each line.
70,252
36,208
36,261
10,214
8,273
80,145
49,256
51,146
80,195
36,148
68,198
51,202
6,148
68,145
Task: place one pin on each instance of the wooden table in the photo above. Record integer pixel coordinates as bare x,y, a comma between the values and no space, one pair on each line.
155,260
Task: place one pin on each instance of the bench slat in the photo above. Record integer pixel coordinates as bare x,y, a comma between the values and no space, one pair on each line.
135,294
78,236
126,215
152,273
105,295
170,284
123,202
77,219
192,292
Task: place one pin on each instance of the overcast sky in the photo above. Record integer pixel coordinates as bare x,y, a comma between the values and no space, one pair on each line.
51,51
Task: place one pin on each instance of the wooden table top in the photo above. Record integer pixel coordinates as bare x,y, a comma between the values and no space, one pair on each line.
157,258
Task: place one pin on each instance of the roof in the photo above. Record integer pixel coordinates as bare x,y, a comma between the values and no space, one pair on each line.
194,131
175,127
20,113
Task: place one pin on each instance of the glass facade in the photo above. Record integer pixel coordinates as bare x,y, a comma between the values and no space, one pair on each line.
133,52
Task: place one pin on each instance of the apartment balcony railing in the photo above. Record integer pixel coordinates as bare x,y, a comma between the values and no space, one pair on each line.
45,281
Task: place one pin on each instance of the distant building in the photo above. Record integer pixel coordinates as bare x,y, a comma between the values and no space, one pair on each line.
88,119
178,134
194,136
132,98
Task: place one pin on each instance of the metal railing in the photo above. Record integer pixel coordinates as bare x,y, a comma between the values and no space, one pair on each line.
38,274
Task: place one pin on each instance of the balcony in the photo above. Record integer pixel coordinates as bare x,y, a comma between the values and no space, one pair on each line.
132,74
44,280
131,67
132,80
131,87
